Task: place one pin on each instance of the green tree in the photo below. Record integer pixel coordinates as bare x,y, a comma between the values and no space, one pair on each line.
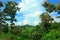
51,7
8,13
0,12
46,19
11,10
15,30
53,34
5,28
1,4
2,15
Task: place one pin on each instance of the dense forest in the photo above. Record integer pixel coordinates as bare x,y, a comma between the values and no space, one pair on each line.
47,29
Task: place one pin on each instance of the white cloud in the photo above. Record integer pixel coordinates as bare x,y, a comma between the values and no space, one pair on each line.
26,21
36,22
54,15
28,4
34,14
57,19
32,18
18,23
31,10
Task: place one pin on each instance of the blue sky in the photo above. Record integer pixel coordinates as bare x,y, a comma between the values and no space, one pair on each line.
30,11
54,1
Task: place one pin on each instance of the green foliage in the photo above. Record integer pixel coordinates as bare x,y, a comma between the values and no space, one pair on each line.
1,4
38,32
58,7
49,7
52,35
46,30
45,17
11,9
15,30
36,35
46,20
5,28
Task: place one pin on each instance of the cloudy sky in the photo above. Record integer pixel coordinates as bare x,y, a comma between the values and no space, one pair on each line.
30,11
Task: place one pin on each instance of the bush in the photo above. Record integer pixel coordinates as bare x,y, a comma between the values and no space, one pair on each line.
5,28
52,35
15,30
